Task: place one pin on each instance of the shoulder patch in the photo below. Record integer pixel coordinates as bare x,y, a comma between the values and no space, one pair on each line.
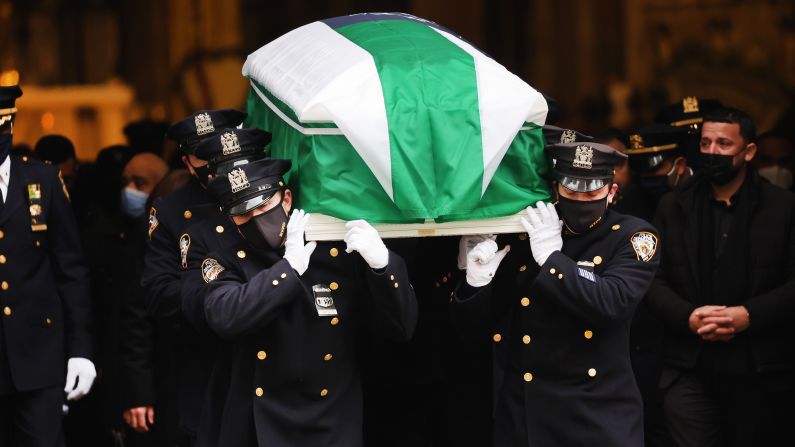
153,222
184,246
211,269
644,244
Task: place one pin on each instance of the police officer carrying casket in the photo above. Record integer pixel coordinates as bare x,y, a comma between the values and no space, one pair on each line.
293,312
44,296
169,216
560,309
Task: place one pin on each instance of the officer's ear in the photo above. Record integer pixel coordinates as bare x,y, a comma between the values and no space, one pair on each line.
680,166
287,201
612,193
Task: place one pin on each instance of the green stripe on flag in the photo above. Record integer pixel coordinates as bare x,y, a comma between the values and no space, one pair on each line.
430,89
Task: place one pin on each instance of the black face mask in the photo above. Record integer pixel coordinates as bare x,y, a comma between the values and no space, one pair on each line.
202,174
718,168
5,146
580,216
266,231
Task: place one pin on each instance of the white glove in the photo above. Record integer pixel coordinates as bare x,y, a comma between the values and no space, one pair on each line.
543,230
80,375
295,252
467,243
362,237
482,262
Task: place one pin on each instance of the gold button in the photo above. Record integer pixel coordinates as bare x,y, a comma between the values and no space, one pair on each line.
187,214
259,392
7,311
275,282
333,286
552,271
597,260
328,357
4,285
2,235
48,321
396,285
283,275
588,334
335,321
334,252
525,302
323,392
592,372
241,254
38,244
496,338
528,377
2,259
219,229
522,237
438,285
616,227
526,339
262,355
392,277
444,279
522,268
560,275
24,158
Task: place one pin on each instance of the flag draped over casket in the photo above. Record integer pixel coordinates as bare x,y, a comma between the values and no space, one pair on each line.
392,118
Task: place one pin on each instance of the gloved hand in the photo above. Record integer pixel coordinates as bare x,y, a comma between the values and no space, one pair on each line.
295,252
543,230
362,237
467,243
482,262
80,375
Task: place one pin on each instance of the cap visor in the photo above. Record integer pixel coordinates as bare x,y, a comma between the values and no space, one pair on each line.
249,204
583,184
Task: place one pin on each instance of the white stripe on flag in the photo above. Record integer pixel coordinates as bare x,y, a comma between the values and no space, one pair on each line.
293,124
505,102
324,77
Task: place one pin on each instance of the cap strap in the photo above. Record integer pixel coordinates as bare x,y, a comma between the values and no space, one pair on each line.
651,149
687,122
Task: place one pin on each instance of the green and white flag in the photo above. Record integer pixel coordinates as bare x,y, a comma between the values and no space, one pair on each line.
394,119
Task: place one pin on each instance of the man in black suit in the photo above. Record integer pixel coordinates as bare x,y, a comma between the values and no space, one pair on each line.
44,296
726,294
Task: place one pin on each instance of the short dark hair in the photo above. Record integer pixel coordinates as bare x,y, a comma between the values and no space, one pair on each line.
54,148
734,116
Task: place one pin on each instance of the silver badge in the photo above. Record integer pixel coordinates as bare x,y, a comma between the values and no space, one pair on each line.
645,245
211,269
184,246
238,180
583,157
204,124
568,136
230,143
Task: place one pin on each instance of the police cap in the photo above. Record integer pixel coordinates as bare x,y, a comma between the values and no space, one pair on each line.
584,166
189,131
651,145
250,185
555,135
231,147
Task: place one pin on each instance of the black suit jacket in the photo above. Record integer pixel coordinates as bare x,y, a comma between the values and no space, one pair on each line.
770,271
44,285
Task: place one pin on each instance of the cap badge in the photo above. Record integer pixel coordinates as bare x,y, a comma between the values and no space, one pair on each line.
230,143
568,136
583,157
204,124
238,180
690,104
635,141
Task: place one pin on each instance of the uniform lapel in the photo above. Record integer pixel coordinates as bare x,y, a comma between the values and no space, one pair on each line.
16,190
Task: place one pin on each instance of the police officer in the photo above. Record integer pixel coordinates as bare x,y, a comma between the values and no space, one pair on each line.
44,296
658,163
688,115
561,306
293,311
169,216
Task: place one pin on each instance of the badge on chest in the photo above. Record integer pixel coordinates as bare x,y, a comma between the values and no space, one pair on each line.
324,300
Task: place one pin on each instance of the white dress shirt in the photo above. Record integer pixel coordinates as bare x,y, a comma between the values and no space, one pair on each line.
5,177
